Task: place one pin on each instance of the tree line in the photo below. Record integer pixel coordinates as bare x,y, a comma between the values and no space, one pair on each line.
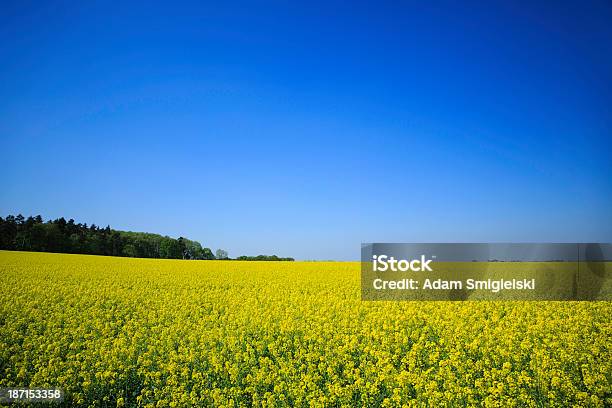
18,233
263,258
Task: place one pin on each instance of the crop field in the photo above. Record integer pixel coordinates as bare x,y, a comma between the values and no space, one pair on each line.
143,332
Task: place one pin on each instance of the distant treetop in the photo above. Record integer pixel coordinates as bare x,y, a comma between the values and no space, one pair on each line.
263,258
18,233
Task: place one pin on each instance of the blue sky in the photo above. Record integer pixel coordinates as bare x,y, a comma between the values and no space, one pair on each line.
304,130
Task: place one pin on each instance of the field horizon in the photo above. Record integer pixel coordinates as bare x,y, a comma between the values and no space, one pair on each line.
143,332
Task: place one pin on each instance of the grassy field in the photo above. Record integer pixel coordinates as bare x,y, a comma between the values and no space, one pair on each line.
139,332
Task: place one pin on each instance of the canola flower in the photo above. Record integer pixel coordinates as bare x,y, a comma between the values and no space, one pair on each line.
157,333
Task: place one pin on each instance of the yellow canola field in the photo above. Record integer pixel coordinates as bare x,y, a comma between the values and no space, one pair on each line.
140,332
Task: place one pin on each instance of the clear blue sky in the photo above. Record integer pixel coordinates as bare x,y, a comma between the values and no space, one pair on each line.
304,130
